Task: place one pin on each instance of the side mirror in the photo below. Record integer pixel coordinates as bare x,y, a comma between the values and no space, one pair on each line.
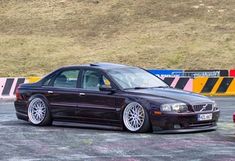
106,88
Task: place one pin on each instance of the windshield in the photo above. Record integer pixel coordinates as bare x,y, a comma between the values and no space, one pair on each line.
131,78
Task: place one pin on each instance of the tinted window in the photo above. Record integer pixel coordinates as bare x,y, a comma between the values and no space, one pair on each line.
92,80
46,83
67,79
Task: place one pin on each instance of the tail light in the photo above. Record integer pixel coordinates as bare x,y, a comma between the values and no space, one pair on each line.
18,96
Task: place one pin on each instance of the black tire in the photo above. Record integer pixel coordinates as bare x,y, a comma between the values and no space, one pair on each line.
46,120
145,127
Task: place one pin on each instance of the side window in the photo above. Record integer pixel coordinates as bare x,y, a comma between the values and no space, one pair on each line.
46,83
92,80
67,79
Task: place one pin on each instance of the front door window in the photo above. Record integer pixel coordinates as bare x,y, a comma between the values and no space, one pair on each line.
92,80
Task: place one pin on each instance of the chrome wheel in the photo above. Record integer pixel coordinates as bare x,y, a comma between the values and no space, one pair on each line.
133,116
37,111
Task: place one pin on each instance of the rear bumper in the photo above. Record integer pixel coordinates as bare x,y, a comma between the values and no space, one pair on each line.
183,123
22,116
21,110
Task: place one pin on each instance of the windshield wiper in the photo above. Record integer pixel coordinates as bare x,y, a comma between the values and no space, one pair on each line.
136,88
146,87
161,87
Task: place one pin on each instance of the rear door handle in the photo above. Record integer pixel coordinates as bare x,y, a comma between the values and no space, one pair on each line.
82,94
50,92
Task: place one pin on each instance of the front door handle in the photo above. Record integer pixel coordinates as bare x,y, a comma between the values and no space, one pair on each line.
82,94
50,92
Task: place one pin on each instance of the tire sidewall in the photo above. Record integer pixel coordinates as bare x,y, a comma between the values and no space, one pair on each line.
146,124
47,119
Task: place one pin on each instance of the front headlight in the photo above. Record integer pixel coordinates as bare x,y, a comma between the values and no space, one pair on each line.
177,107
166,108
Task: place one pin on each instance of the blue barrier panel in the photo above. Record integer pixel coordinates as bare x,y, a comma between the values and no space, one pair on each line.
166,73
206,73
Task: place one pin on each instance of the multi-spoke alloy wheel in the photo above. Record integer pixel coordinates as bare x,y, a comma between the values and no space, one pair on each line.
37,111
134,116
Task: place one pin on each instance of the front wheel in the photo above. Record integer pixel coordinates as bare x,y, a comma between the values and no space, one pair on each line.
135,118
38,112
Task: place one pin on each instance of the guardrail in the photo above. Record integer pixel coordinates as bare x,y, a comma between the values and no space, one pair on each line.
214,86
193,73
184,83
8,85
211,86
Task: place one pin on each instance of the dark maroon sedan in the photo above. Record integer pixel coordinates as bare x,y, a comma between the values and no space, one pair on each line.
105,95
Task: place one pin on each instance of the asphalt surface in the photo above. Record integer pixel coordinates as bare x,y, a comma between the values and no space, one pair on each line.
20,140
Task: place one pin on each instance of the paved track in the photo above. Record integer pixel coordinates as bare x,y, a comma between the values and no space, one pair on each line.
21,141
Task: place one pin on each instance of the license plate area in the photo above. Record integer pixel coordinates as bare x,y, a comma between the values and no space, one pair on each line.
204,117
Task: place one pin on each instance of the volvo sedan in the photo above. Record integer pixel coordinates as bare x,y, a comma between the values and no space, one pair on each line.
113,96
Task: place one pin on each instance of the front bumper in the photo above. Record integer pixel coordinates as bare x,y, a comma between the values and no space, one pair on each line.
189,130
183,122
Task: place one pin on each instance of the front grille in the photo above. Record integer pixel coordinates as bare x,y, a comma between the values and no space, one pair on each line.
202,124
203,107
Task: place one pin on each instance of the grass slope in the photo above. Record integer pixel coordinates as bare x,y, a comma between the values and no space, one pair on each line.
37,36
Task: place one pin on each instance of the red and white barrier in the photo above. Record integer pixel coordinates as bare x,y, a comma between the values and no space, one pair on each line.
8,87
184,83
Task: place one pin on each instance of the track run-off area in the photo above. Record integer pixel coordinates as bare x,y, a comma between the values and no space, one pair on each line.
20,141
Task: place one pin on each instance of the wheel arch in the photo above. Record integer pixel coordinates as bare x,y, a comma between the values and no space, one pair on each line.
145,103
39,96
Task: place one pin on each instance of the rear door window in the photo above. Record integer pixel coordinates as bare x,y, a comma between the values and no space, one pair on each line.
67,79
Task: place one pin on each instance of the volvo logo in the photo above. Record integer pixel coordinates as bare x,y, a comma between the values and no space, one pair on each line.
203,107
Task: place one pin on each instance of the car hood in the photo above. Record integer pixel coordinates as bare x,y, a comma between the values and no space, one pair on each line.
173,94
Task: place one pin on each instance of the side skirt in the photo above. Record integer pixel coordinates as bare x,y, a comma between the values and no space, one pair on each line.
83,125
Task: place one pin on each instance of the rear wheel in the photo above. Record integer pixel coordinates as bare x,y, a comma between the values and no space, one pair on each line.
38,112
135,118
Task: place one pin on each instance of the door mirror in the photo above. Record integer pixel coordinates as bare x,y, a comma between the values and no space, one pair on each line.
106,88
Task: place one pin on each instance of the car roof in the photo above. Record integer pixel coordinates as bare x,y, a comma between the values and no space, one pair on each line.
100,65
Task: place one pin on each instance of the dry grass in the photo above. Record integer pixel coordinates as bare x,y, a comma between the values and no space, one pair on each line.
39,36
